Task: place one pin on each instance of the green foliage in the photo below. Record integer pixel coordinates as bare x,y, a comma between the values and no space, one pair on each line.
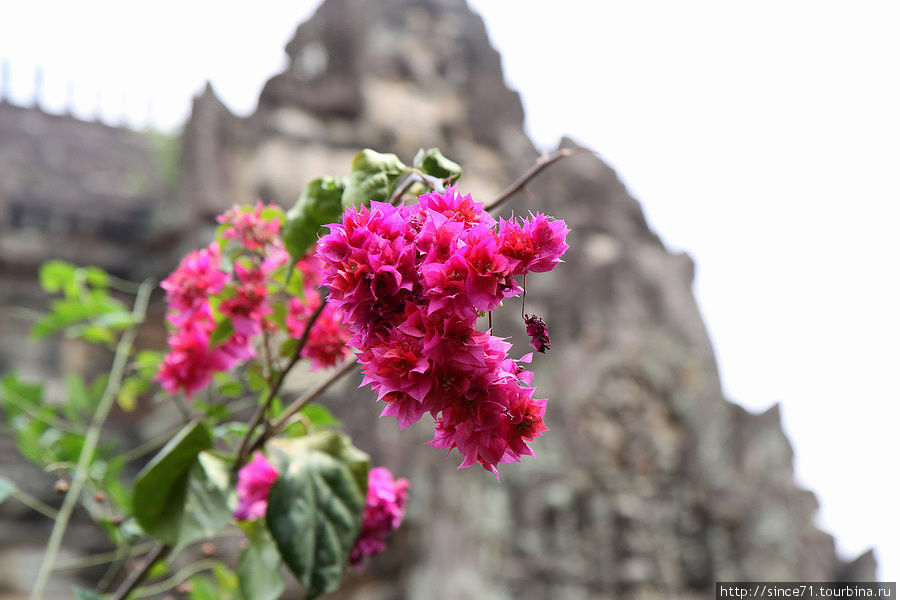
319,416
206,507
51,433
224,329
160,490
258,568
223,585
432,162
319,205
372,178
185,494
315,508
86,309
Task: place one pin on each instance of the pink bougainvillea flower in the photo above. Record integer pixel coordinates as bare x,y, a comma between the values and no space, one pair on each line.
411,282
250,228
190,285
383,513
255,481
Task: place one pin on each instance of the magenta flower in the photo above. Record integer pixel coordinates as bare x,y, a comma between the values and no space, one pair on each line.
250,228
410,282
255,481
383,513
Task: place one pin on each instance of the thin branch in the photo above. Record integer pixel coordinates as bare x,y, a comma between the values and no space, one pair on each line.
149,446
542,163
260,413
103,558
49,419
404,186
274,428
139,574
35,504
179,577
302,401
91,440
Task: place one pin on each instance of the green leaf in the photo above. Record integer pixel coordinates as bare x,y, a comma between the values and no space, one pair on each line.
147,363
18,396
160,569
57,276
315,507
258,568
222,332
160,489
288,347
78,403
7,488
319,416
372,178
255,378
95,334
95,276
432,162
83,594
206,510
128,394
230,389
318,205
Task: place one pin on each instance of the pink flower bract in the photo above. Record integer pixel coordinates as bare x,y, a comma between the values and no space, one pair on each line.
410,282
383,513
255,481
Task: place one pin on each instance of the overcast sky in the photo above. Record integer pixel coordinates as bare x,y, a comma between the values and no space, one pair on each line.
763,138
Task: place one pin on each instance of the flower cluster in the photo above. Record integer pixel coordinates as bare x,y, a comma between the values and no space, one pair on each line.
382,514
410,282
192,360
328,338
255,481
206,290
385,505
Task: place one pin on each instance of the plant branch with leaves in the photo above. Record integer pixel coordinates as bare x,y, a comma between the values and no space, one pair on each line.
389,269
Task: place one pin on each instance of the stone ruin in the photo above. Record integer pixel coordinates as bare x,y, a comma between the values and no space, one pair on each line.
650,484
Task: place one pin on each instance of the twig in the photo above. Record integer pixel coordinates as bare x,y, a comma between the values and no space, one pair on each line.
138,575
179,577
149,446
50,419
302,401
406,184
274,387
542,163
274,428
102,558
35,504
91,439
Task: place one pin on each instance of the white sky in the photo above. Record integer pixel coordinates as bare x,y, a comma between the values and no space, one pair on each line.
763,138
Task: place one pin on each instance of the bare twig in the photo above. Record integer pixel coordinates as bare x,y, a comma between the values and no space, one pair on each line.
174,580
91,439
139,574
542,163
102,558
274,387
302,401
35,504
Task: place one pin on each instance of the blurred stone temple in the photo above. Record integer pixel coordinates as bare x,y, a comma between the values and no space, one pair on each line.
649,484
